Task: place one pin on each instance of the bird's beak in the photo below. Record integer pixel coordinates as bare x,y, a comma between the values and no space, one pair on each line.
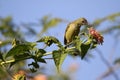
88,25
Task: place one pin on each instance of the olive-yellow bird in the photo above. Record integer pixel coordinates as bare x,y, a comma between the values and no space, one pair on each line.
73,30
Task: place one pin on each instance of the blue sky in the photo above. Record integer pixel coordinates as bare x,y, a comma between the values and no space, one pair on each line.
33,10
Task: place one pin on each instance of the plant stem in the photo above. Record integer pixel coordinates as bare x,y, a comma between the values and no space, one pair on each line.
49,53
13,60
6,62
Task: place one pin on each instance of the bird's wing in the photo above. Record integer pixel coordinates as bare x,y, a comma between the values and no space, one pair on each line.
65,41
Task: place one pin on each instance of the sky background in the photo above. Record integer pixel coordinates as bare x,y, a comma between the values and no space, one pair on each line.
33,10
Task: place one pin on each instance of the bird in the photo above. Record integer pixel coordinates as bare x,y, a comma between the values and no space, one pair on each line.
73,29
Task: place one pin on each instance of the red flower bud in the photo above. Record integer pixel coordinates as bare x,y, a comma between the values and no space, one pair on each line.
96,35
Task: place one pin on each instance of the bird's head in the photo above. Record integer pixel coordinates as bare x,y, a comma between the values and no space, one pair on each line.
81,21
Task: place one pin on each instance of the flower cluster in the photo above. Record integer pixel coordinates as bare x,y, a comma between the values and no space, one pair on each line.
96,35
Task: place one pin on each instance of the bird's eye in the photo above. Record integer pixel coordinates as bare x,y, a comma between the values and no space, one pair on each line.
83,21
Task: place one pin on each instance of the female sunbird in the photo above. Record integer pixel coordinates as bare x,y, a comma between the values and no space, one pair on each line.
73,30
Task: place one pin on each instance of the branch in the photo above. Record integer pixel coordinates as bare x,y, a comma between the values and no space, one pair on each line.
108,72
108,30
110,68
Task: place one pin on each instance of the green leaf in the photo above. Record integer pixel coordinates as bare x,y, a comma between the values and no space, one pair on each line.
49,22
32,44
34,64
78,44
73,51
41,60
33,70
39,53
84,48
76,50
42,51
1,56
15,42
53,22
49,40
19,49
59,56
94,45
117,61
19,58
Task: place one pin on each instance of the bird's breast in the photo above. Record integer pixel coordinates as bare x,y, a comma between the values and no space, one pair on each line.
70,32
